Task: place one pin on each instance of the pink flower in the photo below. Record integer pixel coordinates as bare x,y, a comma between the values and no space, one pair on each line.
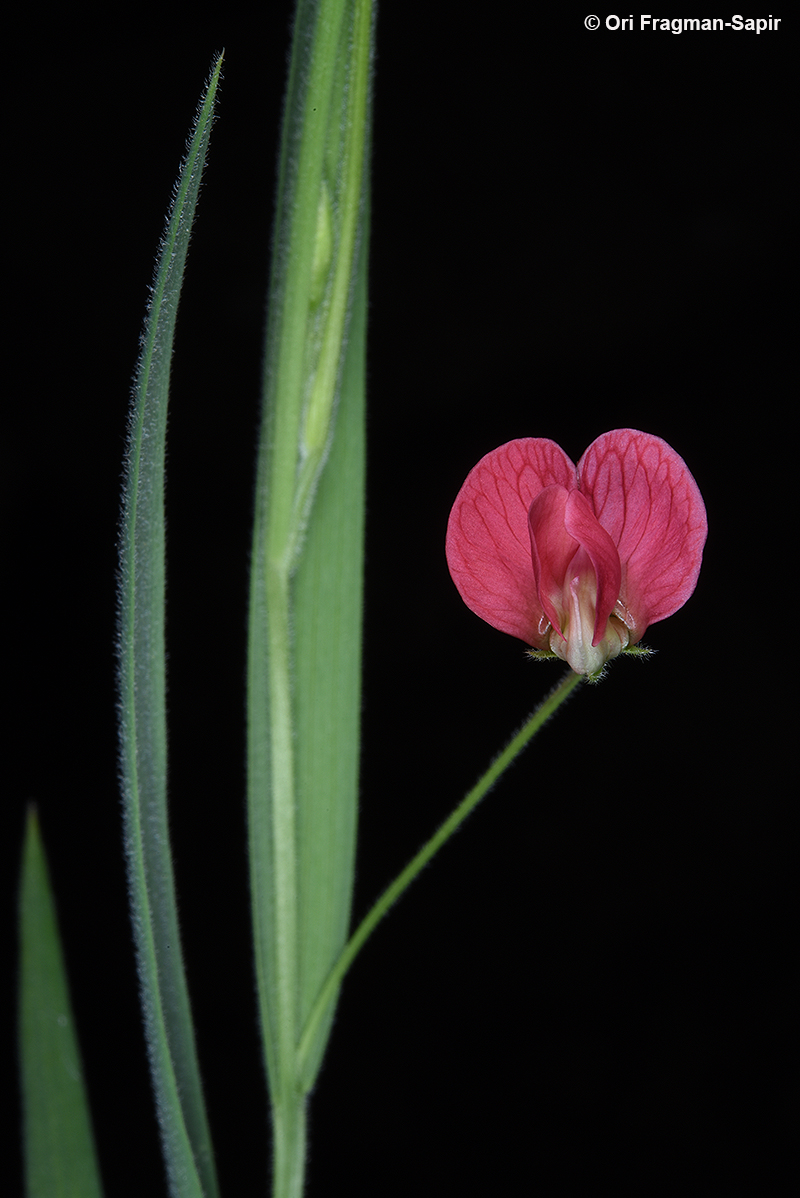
578,560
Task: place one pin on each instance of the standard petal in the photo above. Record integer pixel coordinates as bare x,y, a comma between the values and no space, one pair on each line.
645,497
488,543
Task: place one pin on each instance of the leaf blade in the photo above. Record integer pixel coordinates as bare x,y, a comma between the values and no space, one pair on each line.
319,249
328,601
183,1124
59,1148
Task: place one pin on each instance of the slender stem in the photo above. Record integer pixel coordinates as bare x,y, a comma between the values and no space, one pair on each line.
289,1128
542,713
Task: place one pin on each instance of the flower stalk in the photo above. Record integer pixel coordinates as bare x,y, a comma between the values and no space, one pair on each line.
532,725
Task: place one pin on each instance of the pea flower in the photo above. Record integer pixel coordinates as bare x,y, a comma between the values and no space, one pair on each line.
578,561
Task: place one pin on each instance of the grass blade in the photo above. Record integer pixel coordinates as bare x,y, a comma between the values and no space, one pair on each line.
305,609
60,1160
328,602
143,741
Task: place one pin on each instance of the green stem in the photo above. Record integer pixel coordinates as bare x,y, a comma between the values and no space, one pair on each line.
289,1128
542,713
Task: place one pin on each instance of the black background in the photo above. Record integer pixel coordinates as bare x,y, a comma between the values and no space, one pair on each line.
572,232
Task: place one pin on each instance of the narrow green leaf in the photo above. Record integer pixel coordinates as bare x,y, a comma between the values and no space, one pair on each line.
305,607
182,1119
60,1160
328,597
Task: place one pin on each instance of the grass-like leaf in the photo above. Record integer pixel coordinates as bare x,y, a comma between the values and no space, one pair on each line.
327,688
143,740
306,581
60,1160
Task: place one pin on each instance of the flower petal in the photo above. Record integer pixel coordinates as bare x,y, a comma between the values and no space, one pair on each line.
488,542
645,497
561,523
552,550
583,525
